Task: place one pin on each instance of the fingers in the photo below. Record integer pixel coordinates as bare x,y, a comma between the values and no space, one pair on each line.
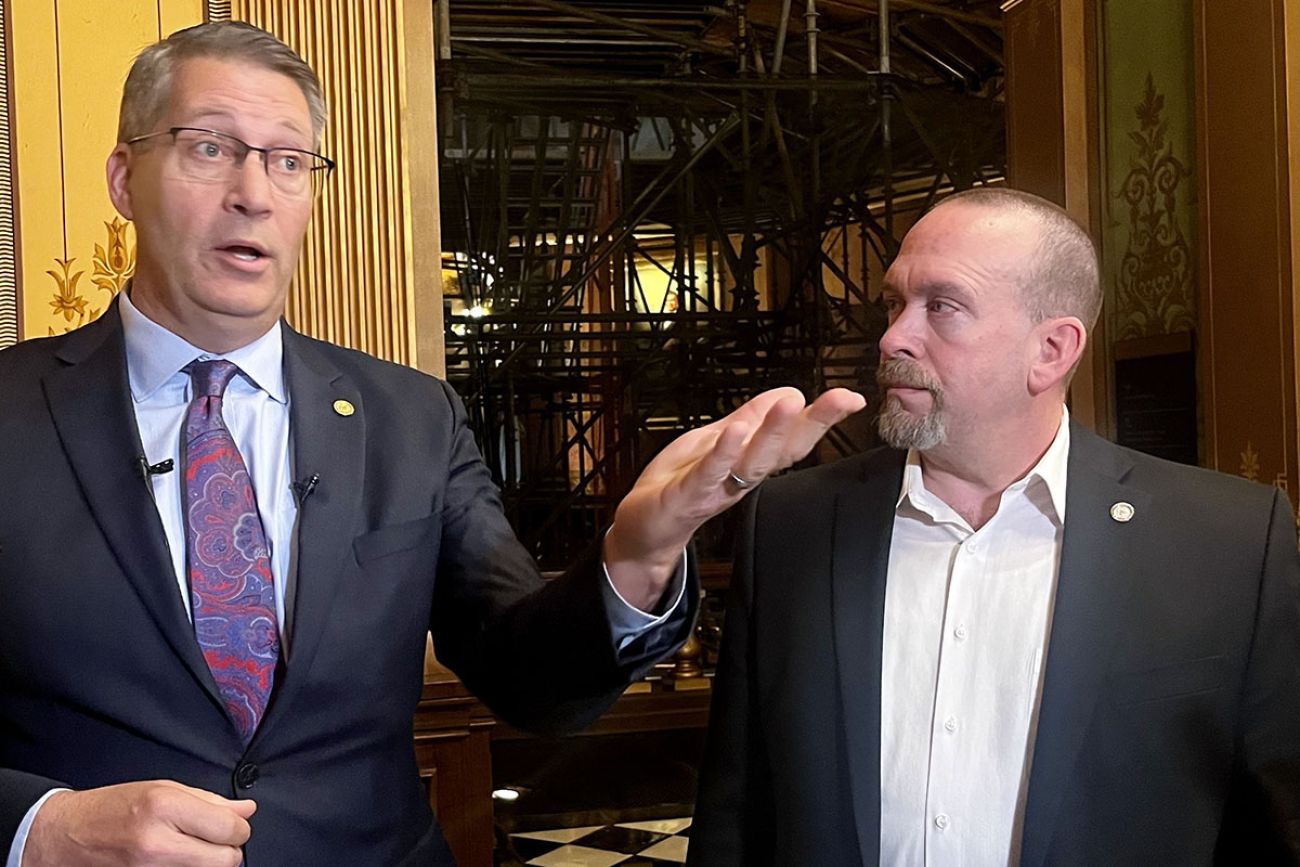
835,405
754,410
154,822
827,411
763,453
180,851
789,430
774,430
694,477
716,466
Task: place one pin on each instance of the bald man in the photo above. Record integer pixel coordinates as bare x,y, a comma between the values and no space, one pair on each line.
1001,639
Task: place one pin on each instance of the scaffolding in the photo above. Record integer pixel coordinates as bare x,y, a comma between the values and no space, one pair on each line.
652,211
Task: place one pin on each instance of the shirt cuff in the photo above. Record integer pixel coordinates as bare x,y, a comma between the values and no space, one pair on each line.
25,827
627,622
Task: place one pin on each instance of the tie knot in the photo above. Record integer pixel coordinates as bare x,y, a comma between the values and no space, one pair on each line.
210,378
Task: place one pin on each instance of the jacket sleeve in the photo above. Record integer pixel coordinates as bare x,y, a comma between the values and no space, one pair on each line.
540,653
18,792
1262,820
734,811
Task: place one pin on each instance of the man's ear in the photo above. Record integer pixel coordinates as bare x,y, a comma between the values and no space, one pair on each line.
118,170
1058,346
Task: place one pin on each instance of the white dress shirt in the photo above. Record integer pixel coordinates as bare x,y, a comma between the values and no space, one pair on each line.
255,408
256,411
967,619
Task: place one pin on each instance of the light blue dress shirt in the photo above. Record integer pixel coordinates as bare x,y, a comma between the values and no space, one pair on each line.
256,411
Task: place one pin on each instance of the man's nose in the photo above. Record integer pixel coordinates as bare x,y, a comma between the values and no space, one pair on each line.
900,337
250,187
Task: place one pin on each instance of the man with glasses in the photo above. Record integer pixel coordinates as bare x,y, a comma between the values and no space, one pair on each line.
225,543
209,155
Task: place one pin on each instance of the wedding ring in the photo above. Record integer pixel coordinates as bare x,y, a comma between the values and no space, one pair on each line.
743,484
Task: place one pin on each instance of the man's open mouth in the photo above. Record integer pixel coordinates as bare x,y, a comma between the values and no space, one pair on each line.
244,252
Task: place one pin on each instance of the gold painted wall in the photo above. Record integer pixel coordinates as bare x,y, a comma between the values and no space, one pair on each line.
70,58
370,277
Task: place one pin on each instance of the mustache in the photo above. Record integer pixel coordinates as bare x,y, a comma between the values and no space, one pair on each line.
906,373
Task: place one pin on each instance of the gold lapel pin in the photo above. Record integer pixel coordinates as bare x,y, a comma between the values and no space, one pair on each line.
1122,512
344,408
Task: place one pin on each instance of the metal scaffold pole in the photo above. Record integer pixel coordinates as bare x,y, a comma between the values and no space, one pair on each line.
653,209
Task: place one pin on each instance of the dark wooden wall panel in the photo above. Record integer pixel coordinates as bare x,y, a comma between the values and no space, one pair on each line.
1247,293
1035,112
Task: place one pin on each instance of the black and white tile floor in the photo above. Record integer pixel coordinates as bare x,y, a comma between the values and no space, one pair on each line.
629,844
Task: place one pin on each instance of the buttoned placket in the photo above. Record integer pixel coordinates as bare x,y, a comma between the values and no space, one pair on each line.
944,828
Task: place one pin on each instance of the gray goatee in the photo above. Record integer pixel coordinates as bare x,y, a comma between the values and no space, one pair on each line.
900,428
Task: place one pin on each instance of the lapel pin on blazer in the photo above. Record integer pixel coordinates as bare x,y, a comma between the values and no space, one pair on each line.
343,408
1122,512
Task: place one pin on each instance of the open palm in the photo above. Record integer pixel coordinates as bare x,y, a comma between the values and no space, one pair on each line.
690,481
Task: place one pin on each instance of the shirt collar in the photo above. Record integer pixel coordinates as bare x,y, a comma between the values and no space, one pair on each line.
154,355
1051,470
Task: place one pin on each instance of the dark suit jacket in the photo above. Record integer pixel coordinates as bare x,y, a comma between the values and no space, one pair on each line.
1169,729
101,679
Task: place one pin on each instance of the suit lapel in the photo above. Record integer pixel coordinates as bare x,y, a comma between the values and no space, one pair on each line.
331,445
1098,560
90,402
862,527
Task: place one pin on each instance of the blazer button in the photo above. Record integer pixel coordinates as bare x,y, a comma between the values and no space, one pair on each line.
246,775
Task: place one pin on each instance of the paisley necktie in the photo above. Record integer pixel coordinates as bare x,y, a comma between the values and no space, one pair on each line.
231,588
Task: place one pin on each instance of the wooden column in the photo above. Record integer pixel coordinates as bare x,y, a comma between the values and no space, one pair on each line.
1050,55
1035,107
370,276
1249,165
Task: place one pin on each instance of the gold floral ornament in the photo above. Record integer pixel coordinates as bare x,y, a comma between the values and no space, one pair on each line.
1156,279
114,265
66,300
1250,462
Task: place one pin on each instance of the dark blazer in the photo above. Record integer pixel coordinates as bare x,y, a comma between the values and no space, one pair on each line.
1169,729
101,679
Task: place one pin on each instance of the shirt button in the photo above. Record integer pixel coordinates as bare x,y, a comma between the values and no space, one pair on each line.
960,632
973,547
941,821
950,724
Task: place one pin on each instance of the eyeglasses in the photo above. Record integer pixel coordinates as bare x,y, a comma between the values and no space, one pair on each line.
208,155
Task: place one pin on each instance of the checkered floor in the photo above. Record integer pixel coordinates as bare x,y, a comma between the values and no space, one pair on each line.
630,844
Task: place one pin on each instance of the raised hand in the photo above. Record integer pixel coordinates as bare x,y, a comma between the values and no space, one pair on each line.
704,472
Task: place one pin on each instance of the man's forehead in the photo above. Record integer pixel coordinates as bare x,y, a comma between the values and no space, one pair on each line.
978,235
212,87
961,242
962,225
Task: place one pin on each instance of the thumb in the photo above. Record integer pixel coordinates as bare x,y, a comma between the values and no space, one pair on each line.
244,809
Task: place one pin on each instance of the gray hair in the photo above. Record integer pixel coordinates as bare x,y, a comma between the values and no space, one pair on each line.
1064,276
148,85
